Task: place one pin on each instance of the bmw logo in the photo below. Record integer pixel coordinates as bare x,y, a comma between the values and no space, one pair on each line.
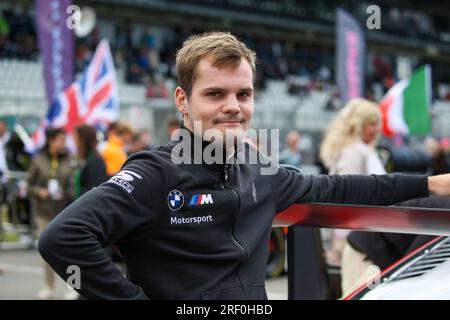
175,200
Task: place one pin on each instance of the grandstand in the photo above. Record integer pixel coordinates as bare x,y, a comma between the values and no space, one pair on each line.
293,40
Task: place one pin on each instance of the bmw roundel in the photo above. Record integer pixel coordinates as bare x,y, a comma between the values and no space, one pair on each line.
175,200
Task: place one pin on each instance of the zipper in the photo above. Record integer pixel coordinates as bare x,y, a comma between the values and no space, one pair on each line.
235,219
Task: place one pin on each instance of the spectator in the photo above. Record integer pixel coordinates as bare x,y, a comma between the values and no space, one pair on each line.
91,171
348,148
291,154
49,184
114,153
112,130
141,141
4,32
4,138
172,126
157,89
4,133
441,161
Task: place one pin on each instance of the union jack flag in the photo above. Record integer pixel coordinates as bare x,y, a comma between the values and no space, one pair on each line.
93,99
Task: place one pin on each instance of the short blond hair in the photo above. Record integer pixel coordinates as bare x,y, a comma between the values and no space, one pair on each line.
222,48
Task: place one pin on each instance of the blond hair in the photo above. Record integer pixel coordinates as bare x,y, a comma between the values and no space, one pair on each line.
347,128
221,47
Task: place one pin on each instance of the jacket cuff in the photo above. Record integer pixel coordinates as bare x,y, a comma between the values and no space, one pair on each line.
415,186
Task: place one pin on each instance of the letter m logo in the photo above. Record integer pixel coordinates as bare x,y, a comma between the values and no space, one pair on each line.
207,198
199,199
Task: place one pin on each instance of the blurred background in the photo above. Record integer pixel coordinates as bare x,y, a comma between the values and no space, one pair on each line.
296,88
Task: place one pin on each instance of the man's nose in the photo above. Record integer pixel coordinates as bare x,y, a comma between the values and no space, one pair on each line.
231,105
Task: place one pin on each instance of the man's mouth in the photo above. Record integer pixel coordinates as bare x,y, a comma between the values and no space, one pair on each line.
229,122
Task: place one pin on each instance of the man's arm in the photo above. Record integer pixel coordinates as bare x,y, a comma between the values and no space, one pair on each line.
101,217
290,187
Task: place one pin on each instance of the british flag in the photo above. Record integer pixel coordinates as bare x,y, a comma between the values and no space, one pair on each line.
93,99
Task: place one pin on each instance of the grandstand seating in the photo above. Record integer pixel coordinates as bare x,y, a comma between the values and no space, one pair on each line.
22,89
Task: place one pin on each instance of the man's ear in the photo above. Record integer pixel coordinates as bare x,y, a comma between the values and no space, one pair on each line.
181,100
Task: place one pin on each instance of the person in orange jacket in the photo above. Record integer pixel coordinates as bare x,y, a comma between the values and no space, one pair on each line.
114,153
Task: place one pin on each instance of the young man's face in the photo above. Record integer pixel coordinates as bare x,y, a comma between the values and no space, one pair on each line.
221,98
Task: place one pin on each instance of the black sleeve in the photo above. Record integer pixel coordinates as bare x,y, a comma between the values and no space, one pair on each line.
290,187
98,219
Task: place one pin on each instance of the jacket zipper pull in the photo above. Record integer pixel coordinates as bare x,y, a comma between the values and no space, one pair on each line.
226,172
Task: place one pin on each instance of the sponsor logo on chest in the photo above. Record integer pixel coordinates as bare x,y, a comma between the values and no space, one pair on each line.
175,200
201,199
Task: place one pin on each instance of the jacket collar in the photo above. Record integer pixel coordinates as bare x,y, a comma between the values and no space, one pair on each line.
196,158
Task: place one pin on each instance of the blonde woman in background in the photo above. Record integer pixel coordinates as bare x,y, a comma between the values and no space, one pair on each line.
349,148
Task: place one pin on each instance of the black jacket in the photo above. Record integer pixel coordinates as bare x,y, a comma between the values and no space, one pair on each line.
193,231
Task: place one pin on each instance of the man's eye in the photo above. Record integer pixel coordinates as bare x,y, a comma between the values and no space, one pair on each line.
244,95
214,94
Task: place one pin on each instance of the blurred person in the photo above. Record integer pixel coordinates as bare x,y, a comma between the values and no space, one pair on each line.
111,130
91,171
291,154
114,153
141,141
441,161
349,148
437,155
172,126
157,89
206,225
3,167
4,138
4,133
353,132
50,186
4,32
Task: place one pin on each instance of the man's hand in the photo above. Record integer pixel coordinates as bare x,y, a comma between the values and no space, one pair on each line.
439,185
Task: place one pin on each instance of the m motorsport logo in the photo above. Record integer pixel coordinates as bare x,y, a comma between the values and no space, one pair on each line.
201,199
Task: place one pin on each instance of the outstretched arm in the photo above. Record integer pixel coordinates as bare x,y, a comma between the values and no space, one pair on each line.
291,187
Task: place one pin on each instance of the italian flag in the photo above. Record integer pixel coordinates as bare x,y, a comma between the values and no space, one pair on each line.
404,108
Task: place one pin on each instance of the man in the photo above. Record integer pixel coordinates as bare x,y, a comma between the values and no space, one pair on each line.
114,153
141,141
4,138
292,155
4,133
199,231
172,126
